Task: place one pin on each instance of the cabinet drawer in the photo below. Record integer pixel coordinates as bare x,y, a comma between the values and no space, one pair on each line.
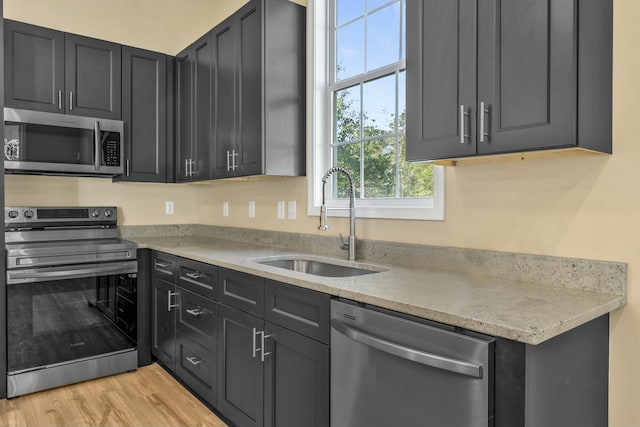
300,310
198,368
164,266
198,319
242,291
198,277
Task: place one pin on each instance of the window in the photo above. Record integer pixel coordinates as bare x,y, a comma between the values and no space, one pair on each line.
358,113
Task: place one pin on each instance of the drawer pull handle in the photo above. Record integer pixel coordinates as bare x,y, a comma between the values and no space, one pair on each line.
195,276
162,264
194,360
196,311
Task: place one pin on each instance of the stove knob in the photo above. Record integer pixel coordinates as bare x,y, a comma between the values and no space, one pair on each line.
95,213
13,214
108,213
28,214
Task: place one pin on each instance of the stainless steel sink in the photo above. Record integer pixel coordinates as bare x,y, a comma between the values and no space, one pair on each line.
319,268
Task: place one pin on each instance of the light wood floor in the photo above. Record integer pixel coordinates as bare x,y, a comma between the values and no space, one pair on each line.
148,397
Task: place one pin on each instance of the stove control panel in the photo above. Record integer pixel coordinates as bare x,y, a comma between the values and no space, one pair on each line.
25,216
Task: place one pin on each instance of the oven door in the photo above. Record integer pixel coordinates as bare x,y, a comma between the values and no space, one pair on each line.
63,328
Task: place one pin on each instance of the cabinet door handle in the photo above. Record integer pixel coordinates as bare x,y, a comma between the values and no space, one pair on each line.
128,167
194,360
262,346
70,101
169,305
228,161
233,157
253,346
59,100
195,276
463,115
195,312
162,264
483,113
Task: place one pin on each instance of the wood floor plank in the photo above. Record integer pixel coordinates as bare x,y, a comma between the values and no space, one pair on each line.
146,397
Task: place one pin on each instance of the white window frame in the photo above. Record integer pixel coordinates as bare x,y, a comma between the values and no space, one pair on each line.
319,129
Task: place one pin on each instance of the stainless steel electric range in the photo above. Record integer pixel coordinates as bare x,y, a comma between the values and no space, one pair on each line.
71,297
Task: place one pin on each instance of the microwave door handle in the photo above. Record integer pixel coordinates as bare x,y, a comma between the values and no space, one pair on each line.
96,137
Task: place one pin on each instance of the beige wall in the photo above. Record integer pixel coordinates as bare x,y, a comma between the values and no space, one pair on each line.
575,206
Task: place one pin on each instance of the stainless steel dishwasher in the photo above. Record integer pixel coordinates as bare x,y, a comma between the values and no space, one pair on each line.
388,370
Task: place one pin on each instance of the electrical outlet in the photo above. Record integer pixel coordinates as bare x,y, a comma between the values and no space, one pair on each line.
292,209
225,208
169,208
252,209
280,209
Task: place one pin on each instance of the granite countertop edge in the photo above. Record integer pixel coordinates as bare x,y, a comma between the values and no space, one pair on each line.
524,312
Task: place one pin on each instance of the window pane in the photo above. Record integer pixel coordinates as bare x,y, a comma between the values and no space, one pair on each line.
383,38
402,101
350,50
380,168
346,10
379,106
416,179
346,110
373,4
347,156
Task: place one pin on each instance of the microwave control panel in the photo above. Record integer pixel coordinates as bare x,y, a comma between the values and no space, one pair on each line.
111,150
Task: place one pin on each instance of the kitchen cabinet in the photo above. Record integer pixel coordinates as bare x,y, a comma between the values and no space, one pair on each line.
259,91
499,77
185,321
193,111
48,70
264,365
144,112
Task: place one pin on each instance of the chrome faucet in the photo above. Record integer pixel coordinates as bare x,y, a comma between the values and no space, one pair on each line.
350,245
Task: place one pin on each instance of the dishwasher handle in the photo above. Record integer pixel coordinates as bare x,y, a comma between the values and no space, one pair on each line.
429,359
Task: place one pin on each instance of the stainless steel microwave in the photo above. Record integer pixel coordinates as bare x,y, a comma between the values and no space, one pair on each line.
36,142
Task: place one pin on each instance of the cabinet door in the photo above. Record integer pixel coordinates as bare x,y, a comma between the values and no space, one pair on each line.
201,145
249,68
224,100
441,79
184,114
34,67
527,74
93,73
144,111
240,369
163,322
297,370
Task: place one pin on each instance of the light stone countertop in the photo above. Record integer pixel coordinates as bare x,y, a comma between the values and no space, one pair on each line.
525,312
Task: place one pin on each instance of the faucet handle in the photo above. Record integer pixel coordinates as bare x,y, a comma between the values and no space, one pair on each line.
344,245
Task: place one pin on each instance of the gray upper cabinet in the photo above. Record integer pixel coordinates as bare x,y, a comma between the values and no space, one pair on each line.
507,76
144,111
93,74
259,91
193,111
34,67
52,71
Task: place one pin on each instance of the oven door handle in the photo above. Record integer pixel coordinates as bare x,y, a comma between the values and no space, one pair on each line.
92,270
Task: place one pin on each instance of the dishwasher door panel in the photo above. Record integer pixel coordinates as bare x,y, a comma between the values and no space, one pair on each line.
387,370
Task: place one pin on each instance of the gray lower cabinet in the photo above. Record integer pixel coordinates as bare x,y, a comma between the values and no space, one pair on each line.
499,77
144,112
258,91
185,322
267,357
193,111
48,70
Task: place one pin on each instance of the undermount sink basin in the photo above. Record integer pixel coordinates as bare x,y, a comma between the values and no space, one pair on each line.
317,267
